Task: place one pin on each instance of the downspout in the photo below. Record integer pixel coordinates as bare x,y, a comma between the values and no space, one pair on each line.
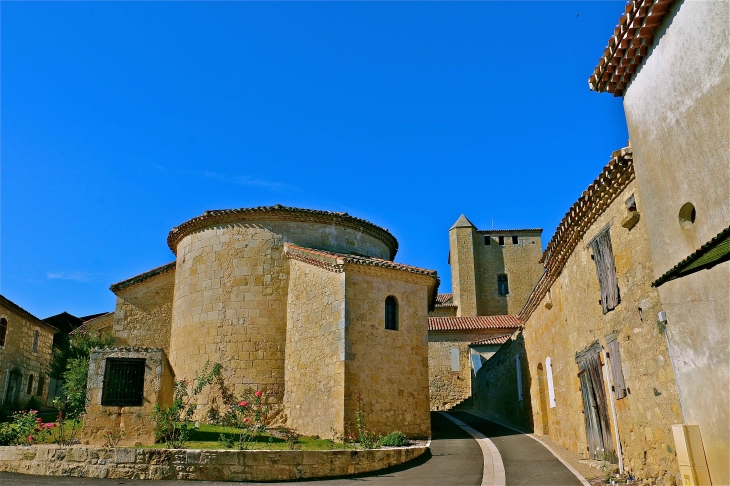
609,380
674,369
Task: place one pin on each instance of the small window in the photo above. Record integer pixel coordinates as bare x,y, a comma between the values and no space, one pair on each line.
29,390
41,385
606,270
487,240
391,313
515,240
454,356
501,240
36,338
3,330
502,284
123,382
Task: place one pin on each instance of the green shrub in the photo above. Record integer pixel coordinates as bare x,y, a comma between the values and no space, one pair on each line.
394,439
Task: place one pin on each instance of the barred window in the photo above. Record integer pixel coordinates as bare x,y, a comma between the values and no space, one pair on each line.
502,284
391,313
123,382
3,330
36,338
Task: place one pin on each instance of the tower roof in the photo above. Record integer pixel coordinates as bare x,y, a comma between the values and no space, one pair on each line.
462,222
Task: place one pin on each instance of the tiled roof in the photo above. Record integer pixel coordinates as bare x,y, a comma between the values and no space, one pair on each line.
142,277
507,231
614,178
280,213
472,323
492,340
12,306
631,40
338,260
715,251
83,327
445,300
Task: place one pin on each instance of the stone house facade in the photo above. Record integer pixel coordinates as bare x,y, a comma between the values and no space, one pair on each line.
25,355
306,305
604,382
670,60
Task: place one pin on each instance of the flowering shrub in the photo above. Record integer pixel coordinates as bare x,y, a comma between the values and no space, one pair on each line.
367,438
26,429
247,416
68,430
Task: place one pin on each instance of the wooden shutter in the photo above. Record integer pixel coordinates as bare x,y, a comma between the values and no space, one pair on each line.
617,372
606,270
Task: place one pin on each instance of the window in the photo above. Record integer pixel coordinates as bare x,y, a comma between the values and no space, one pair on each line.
29,390
502,284
619,385
551,387
36,338
391,313
123,382
515,240
3,330
606,270
41,384
487,240
501,240
454,356
518,364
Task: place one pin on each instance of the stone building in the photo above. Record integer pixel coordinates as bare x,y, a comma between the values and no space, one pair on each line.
25,355
492,275
307,305
600,380
670,60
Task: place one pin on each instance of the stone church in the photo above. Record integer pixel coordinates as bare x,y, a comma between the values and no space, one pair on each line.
307,305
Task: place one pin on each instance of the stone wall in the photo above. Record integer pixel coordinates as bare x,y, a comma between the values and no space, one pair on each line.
209,465
315,350
143,314
387,368
569,318
447,388
520,262
105,325
496,392
18,362
135,421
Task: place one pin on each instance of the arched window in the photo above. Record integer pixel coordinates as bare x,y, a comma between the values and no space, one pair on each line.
3,330
41,384
391,313
36,338
30,385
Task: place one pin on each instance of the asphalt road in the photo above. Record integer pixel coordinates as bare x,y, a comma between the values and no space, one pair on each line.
455,459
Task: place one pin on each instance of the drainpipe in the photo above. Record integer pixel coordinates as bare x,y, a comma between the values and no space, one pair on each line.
663,319
609,380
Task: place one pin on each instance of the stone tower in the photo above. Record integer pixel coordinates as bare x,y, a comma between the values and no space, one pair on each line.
493,271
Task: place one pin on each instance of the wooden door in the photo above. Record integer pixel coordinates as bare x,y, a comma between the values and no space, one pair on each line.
595,406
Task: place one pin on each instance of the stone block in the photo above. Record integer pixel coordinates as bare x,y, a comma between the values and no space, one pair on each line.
125,456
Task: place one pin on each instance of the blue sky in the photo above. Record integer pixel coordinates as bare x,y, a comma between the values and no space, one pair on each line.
122,120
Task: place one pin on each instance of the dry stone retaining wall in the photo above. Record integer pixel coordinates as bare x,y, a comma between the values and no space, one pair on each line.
208,465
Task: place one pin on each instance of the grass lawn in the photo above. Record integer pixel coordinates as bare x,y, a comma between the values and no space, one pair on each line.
207,437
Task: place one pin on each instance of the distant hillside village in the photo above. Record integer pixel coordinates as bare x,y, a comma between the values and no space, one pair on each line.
613,342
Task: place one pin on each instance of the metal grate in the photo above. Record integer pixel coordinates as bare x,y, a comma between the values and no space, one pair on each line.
123,382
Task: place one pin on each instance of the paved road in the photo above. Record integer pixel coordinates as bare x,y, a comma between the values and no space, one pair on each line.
456,459
526,461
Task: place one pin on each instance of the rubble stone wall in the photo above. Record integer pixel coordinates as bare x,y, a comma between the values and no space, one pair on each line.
210,465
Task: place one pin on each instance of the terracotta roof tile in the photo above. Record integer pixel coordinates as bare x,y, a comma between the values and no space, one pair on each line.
631,40
472,323
492,340
445,300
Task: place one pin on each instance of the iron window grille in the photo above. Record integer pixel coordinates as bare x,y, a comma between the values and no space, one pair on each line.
123,382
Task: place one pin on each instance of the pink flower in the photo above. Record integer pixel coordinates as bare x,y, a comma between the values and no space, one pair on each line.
34,412
30,438
259,393
39,420
245,420
243,404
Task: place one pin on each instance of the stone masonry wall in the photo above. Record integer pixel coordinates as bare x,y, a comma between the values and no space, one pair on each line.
315,347
388,368
575,320
208,465
463,277
496,387
17,359
135,422
143,314
521,264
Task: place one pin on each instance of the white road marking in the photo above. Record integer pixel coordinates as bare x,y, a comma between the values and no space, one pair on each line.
493,474
570,468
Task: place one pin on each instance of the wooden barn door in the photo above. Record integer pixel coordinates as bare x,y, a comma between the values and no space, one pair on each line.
595,406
